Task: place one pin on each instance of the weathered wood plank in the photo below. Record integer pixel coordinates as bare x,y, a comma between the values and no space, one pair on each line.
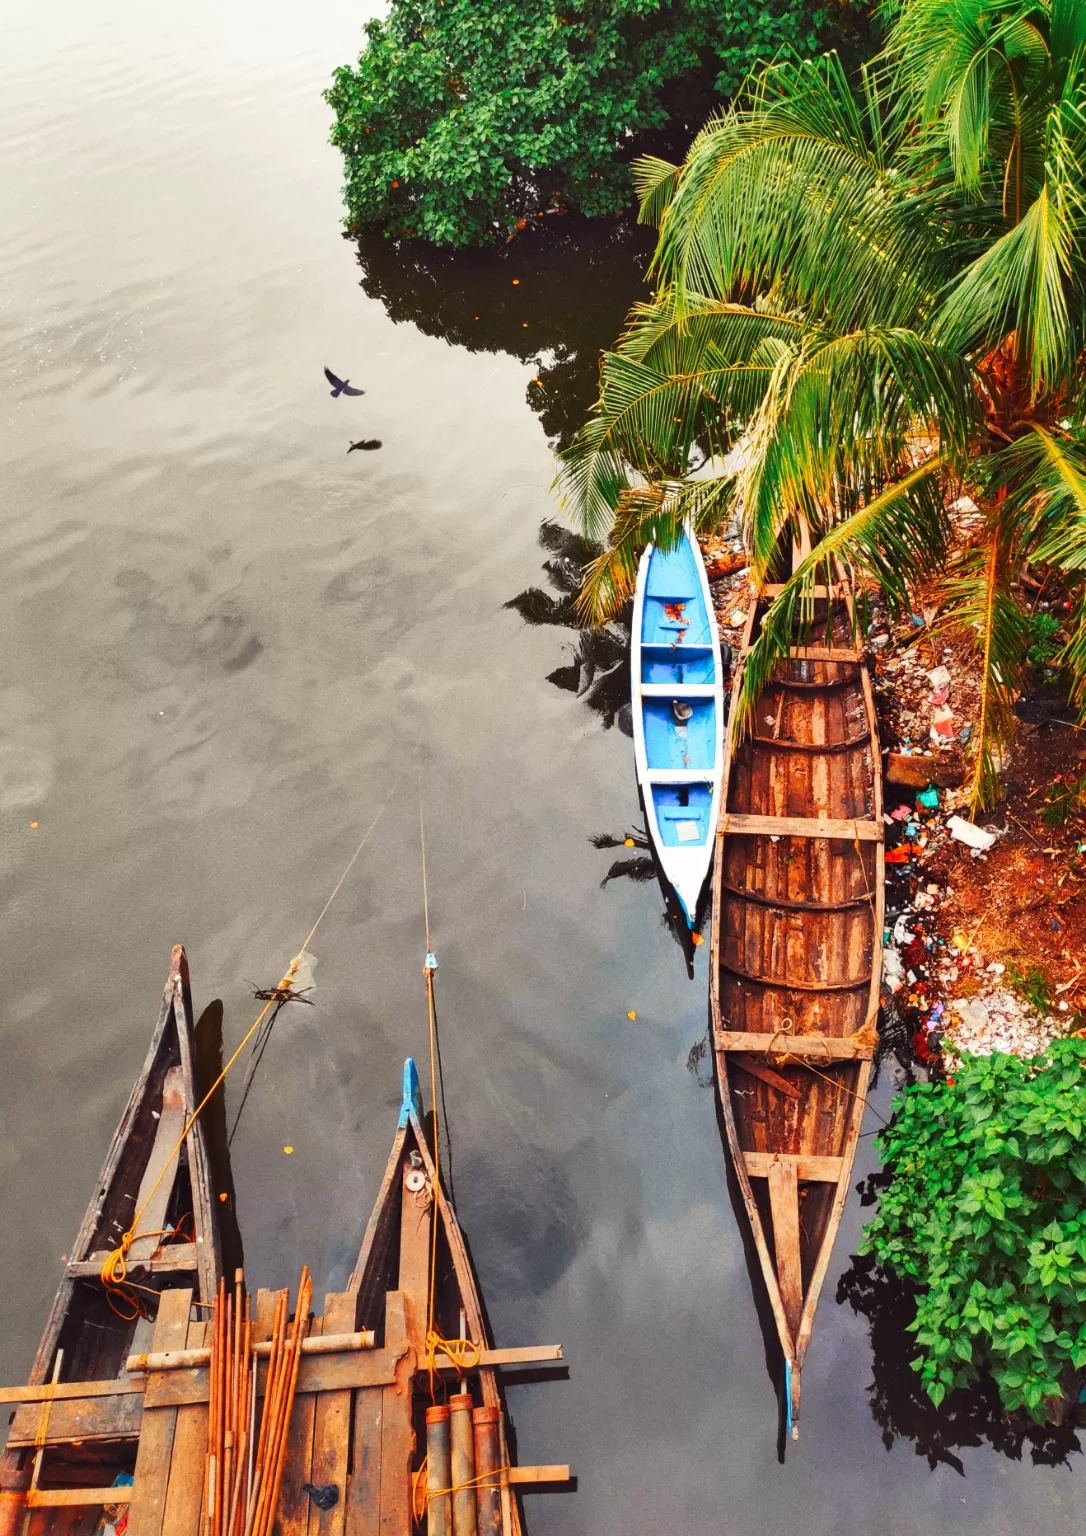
103,1417
835,1047
157,1435
174,1258
59,1498
364,1488
542,1474
784,1206
824,653
801,826
156,1186
317,1373
397,1434
416,1214
332,1430
817,1169
765,1074
184,1491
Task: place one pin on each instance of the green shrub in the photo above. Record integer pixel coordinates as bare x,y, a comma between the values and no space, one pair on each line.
461,116
985,1212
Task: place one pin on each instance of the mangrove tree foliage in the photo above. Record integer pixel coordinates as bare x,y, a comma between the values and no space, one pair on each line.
985,1214
878,284
461,118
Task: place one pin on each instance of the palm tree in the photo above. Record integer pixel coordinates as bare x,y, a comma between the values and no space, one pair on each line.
877,287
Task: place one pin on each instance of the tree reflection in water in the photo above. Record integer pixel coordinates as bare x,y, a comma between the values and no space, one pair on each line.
901,1408
598,669
555,296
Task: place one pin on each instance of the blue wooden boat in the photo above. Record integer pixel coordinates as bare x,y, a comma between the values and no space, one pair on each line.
678,713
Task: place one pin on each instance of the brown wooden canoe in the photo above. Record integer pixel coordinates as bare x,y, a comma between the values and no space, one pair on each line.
796,954
95,1337
392,1282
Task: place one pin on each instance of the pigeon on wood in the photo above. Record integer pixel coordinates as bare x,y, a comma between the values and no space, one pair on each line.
341,386
367,444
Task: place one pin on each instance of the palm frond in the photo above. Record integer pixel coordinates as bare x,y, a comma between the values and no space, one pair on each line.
793,191
1017,286
898,536
654,182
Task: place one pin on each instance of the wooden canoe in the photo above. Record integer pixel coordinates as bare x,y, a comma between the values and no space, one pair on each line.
94,1330
677,698
391,1280
796,955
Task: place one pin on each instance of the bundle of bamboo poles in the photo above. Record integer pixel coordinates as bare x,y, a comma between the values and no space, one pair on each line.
244,1468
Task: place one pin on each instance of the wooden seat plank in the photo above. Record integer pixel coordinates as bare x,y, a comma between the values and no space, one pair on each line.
743,825
836,1047
784,1209
157,1184
824,653
824,1170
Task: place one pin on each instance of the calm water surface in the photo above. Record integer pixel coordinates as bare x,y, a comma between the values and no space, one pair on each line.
224,641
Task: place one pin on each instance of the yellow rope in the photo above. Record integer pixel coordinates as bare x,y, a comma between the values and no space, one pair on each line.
114,1272
482,1480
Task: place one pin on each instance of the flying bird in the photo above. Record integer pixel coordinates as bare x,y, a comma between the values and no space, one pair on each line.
367,444
341,386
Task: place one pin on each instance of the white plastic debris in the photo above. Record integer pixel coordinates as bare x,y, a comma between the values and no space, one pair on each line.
939,677
893,972
972,836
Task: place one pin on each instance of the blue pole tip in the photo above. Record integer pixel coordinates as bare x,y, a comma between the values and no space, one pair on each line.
410,1105
430,963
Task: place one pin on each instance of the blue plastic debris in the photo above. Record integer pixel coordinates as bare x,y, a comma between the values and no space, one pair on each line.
929,798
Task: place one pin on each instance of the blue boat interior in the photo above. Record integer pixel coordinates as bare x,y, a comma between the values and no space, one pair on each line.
671,743
693,664
682,813
674,608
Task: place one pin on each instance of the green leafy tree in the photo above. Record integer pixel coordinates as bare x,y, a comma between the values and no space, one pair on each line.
460,118
878,285
985,1214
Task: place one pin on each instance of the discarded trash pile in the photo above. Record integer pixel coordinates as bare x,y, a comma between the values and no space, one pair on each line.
948,910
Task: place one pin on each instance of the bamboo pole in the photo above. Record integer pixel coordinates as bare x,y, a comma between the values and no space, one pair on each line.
288,1381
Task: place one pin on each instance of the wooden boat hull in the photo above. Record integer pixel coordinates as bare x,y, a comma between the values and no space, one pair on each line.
391,1282
677,695
796,954
96,1330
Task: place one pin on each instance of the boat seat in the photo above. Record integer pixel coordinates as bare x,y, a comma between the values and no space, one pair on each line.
170,1127
679,812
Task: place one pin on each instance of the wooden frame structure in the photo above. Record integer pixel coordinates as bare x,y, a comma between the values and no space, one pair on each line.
409,1326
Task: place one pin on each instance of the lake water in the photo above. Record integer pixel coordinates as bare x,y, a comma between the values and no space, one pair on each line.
225,641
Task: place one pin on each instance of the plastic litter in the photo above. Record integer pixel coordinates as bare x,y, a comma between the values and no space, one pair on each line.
939,678
929,798
972,836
